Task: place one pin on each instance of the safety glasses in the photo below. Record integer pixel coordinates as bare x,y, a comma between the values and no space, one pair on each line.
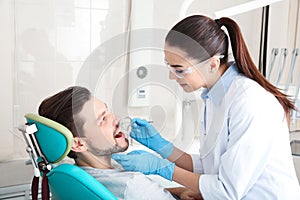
180,73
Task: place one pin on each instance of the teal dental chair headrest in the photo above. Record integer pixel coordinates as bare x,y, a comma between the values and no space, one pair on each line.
55,140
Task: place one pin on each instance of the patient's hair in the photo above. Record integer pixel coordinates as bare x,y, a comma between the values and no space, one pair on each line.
64,107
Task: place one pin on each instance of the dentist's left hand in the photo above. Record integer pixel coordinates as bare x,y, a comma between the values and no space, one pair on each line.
146,134
146,163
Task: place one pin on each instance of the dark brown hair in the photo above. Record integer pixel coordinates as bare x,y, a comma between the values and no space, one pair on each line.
209,36
64,107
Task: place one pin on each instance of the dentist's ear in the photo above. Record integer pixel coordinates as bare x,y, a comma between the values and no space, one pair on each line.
214,65
78,145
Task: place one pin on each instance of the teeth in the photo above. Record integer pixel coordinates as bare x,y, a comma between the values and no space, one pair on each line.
116,132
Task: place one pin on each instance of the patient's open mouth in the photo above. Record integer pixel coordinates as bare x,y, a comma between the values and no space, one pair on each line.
119,134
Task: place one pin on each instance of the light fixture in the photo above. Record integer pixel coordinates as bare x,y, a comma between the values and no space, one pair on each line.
245,7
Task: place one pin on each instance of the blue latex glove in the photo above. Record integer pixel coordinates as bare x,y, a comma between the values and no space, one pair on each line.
146,163
146,134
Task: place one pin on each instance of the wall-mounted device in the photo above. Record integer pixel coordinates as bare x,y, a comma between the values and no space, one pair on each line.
140,57
138,88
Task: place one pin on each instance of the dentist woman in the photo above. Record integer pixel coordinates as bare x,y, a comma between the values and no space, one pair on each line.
244,144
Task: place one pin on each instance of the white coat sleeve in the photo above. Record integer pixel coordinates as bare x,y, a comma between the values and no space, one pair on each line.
197,164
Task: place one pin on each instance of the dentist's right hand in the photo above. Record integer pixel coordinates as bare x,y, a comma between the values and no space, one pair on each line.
146,134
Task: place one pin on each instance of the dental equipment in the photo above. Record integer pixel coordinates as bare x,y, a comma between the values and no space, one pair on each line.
296,101
296,97
295,147
293,62
281,65
274,53
125,125
32,147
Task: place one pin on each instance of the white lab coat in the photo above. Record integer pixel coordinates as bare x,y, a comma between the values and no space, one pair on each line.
244,143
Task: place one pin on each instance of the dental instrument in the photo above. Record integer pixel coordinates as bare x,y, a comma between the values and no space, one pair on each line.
290,75
296,101
125,125
281,65
274,53
144,133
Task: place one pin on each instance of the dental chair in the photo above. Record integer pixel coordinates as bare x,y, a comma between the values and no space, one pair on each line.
48,142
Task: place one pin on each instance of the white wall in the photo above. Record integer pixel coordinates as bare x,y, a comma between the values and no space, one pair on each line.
6,78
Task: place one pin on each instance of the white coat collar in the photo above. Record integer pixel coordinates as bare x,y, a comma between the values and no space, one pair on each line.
218,91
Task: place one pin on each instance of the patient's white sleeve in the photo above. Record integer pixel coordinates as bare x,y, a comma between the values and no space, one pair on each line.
129,185
142,187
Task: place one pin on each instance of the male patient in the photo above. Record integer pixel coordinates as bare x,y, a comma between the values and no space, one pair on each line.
96,137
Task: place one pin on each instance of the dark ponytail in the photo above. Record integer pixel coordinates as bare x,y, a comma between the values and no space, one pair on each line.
246,65
202,37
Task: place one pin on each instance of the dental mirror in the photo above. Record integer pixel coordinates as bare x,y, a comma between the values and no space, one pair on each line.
125,125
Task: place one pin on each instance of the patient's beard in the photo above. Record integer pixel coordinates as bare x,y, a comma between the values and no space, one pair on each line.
107,152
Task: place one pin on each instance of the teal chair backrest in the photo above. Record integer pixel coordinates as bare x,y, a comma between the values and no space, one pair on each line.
66,181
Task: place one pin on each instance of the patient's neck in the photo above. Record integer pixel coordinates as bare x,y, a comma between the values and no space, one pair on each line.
90,160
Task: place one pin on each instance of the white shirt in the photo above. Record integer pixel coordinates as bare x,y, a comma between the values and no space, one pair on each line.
129,185
244,145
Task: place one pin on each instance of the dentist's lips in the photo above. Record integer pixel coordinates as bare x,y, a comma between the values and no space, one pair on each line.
183,85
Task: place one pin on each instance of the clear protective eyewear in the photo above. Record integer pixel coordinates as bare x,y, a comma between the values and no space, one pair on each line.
180,73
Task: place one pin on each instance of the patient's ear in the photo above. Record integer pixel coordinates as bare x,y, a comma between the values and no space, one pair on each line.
78,145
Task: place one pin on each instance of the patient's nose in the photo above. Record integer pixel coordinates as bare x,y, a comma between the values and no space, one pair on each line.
116,119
